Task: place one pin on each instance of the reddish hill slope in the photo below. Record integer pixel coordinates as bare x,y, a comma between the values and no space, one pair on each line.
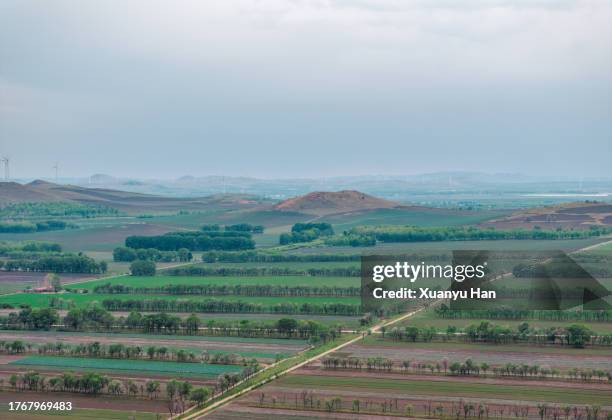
579,215
324,203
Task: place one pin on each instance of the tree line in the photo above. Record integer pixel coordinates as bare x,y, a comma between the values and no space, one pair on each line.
178,393
574,335
193,241
238,227
273,257
443,311
350,239
230,290
55,209
224,306
465,368
194,270
96,318
30,246
462,233
124,254
121,351
30,227
61,263
307,400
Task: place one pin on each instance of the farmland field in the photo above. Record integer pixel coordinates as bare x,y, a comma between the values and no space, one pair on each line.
82,300
415,217
487,245
454,388
86,407
494,354
429,319
199,370
259,348
226,333
161,280
15,281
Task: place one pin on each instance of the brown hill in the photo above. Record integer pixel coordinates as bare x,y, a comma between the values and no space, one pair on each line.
42,191
579,215
325,203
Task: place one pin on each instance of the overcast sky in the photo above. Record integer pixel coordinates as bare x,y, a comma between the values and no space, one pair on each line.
280,88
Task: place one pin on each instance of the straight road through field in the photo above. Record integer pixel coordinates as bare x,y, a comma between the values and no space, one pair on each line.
207,410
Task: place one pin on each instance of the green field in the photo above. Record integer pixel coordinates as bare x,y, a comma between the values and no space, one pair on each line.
412,216
297,265
187,338
446,246
159,281
152,367
82,300
375,340
428,318
512,392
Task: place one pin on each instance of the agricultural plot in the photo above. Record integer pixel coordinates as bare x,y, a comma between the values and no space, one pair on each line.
160,281
317,394
262,349
486,245
562,358
454,387
100,407
150,367
11,282
82,300
98,237
413,216
429,319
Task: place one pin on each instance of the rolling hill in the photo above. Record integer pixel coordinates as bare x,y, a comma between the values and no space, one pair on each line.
42,191
322,203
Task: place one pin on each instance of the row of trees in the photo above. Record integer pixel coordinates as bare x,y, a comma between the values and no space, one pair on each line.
502,312
30,227
193,241
178,393
96,318
30,246
194,270
225,306
57,263
230,290
124,254
429,234
121,351
350,239
55,209
273,257
574,335
457,410
466,368
239,227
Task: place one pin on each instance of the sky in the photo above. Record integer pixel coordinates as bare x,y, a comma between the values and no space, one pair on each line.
305,88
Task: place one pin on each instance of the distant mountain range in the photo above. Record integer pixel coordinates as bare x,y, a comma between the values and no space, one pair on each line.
424,189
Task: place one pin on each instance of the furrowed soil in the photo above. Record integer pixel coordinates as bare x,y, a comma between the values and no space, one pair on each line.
258,348
459,387
121,405
495,355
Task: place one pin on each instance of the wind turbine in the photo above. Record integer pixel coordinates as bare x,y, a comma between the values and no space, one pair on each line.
56,167
7,172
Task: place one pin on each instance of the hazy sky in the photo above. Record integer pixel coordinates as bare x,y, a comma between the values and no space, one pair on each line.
280,88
